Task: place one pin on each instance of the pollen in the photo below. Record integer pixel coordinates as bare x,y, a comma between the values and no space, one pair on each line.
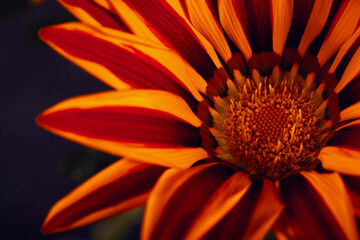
270,130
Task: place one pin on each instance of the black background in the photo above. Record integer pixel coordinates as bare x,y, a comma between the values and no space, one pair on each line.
32,78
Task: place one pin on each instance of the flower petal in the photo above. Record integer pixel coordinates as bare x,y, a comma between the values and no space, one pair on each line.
91,13
317,207
180,8
341,159
282,15
231,23
203,18
253,216
342,27
135,123
353,186
174,31
178,197
303,30
249,25
219,204
123,185
347,136
315,23
116,60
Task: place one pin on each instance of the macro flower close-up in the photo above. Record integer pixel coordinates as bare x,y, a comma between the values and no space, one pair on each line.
230,118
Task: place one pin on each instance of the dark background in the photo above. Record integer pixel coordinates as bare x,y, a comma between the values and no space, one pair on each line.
32,78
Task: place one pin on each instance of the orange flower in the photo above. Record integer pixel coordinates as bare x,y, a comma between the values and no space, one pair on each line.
234,117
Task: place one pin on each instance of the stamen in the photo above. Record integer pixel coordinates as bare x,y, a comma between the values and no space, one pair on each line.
269,130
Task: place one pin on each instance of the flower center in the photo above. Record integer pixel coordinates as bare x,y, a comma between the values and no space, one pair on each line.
270,130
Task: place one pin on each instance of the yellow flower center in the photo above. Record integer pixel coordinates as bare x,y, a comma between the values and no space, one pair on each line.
270,131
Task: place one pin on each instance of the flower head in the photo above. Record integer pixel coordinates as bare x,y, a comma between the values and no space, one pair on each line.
233,117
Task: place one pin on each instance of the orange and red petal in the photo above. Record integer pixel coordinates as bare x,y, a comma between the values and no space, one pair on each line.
118,60
330,24
121,122
180,196
317,206
249,24
254,214
123,185
203,17
174,31
222,201
353,186
92,13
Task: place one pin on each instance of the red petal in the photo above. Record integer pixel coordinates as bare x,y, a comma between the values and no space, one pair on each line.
147,125
122,186
125,124
317,207
353,186
179,197
174,31
94,13
122,61
347,137
253,216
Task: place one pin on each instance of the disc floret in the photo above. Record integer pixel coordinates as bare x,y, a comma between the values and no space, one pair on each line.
270,130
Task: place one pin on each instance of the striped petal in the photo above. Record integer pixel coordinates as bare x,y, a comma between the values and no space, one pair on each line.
116,60
91,13
134,123
173,31
253,216
353,186
123,185
317,207
342,27
309,18
219,205
203,17
230,22
181,195
259,29
340,24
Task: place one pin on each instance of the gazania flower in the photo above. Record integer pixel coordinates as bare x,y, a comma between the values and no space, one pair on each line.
234,117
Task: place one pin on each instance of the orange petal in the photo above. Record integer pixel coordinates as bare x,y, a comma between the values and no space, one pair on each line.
178,198
282,15
317,207
349,46
123,185
203,19
219,205
353,186
341,159
341,29
116,59
352,70
134,22
232,26
134,123
316,22
253,216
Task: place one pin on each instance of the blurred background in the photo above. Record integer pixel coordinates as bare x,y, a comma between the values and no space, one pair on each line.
36,167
